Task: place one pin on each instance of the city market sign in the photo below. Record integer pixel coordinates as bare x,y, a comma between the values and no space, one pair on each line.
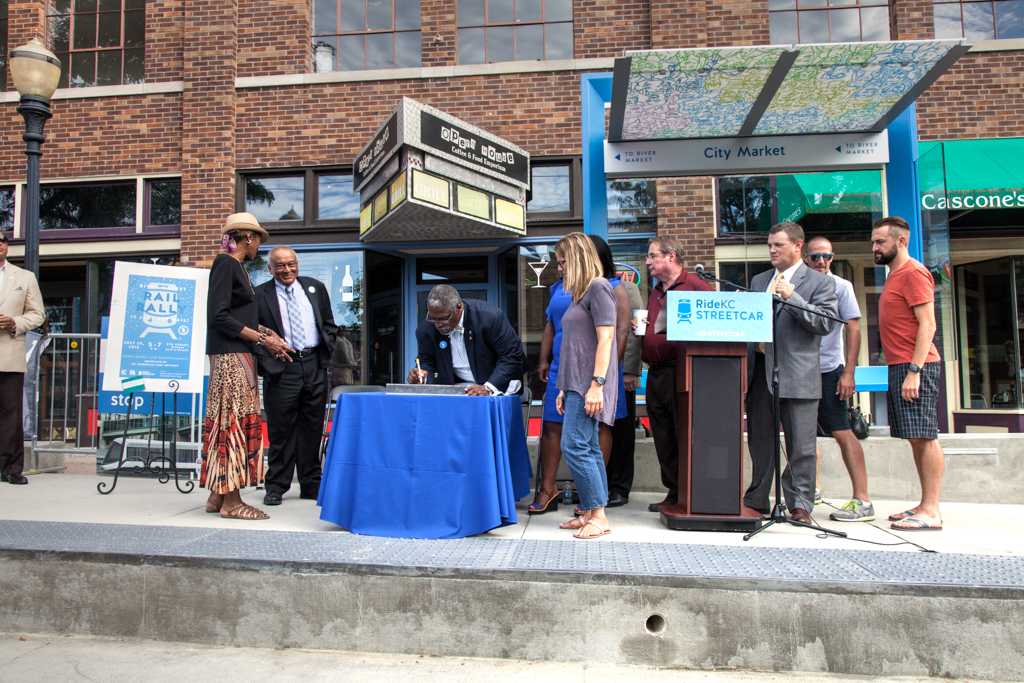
987,199
743,156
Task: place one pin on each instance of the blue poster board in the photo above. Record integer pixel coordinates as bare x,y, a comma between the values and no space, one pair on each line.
719,316
116,402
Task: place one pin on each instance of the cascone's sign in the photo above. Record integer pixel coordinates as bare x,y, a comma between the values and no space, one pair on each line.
383,143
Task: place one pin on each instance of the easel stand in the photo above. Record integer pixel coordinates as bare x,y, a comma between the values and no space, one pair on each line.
778,514
152,465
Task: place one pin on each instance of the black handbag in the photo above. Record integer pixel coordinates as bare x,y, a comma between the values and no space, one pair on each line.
858,424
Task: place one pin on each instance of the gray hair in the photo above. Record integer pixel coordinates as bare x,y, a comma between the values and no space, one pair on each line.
445,297
668,244
280,247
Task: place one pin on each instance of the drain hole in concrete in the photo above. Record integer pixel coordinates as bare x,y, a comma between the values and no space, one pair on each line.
656,624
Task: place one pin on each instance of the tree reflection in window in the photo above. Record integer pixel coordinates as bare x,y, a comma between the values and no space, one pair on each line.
75,207
632,206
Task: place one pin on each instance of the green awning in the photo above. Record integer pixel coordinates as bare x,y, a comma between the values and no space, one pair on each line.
978,165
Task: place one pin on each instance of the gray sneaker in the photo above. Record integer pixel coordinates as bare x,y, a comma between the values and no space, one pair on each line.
856,510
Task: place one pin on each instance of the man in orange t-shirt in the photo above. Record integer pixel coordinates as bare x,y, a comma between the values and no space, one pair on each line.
906,322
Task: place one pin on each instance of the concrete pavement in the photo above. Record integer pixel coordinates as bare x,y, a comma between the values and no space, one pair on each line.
73,659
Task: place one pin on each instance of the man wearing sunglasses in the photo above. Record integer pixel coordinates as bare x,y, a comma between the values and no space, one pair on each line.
466,342
838,385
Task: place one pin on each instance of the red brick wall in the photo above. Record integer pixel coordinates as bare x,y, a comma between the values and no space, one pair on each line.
911,19
208,126
26,19
607,28
330,123
979,98
438,32
686,210
164,22
737,22
274,37
678,24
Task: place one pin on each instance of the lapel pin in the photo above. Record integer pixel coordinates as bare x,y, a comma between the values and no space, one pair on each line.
444,345
312,289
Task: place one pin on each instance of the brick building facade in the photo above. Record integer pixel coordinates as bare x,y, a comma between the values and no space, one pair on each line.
231,93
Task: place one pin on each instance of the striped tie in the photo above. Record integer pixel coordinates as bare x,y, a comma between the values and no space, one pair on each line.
295,321
760,345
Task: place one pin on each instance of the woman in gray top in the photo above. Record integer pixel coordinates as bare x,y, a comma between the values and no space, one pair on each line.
587,377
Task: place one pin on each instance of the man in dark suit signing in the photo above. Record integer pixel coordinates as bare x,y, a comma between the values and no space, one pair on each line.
298,309
468,342
798,335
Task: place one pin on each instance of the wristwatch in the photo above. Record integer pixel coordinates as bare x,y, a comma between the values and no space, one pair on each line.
599,381
914,368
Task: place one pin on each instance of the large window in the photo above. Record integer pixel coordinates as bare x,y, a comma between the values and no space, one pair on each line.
843,203
828,21
353,35
514,30
979,20
300,198
99,42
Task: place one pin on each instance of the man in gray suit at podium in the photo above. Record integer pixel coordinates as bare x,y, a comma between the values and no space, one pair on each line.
798,335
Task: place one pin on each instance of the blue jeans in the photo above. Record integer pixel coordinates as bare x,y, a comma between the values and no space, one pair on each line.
582,453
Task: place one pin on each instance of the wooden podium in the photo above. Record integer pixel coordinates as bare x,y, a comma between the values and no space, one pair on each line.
710,380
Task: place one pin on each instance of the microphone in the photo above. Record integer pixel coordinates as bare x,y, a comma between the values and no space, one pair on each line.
699,269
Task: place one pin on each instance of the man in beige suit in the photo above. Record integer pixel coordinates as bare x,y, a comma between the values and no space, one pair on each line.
21,310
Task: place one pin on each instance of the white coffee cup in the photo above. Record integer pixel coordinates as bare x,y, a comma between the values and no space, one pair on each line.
639,321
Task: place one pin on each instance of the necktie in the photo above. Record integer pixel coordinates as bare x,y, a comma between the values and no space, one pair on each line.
295,321
775,280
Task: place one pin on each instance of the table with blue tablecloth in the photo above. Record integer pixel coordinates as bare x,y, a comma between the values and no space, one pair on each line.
421,466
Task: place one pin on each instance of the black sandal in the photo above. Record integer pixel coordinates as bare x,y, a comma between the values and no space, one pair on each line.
535,508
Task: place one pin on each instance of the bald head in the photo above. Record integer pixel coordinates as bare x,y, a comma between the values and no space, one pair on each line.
283,264
819,254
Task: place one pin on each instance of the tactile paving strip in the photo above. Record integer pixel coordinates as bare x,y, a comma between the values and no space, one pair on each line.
637,559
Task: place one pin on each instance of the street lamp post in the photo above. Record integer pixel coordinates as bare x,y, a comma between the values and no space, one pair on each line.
36,72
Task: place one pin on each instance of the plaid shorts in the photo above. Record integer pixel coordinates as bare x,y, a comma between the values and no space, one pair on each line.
920,419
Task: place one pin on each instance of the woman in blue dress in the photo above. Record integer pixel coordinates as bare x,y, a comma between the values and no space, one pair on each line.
550,346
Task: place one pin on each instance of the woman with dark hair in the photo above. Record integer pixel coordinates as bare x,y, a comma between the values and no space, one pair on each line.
587,380
546,498
233,430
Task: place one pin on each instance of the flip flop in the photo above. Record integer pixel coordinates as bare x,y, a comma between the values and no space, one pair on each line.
901,515
574,519
588,538
918,525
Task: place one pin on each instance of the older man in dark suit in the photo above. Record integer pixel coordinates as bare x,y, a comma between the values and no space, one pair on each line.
798,334
299,310
467,342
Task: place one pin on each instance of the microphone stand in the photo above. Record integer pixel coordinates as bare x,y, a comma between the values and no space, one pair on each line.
778,514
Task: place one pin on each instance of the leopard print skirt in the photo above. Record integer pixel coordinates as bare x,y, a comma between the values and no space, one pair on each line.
233,430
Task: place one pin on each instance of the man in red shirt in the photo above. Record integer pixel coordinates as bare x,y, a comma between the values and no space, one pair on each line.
665,263
906,322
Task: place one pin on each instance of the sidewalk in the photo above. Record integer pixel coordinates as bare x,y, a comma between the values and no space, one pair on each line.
60,659
968,528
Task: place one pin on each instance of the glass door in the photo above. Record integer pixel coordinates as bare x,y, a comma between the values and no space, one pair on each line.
384,348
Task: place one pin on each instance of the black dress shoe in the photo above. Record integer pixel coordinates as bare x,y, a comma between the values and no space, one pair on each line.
272,498
669,500
16,479
308,496
3,477
616,500
801,515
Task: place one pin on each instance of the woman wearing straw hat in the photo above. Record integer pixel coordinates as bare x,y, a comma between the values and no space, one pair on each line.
233,430
587,377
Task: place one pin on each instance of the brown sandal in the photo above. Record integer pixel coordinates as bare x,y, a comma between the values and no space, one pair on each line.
212,507
243,511
536,508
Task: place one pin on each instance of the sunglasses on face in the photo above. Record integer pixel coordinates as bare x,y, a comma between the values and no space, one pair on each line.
820,257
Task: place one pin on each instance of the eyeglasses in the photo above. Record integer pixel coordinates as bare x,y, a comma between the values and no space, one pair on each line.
291,265
561,263
820,257
435,321
654,254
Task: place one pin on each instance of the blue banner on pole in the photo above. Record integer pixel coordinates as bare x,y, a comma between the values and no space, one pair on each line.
719,316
